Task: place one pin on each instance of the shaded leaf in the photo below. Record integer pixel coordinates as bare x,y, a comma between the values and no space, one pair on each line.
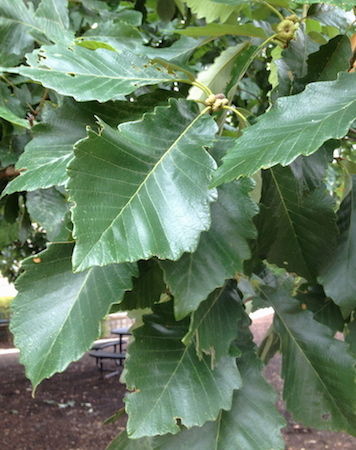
295,57
123,442
350,337
282,3
252,409
298,125
16,20
47,155
179,52
209,10
92,75
147,287
141,191
216,30
214,324
301,225
218,74
331,15
56,314
11,109
48,208
158,368
309,171
331,59
318,371
221,250
338,277
324,309
344,4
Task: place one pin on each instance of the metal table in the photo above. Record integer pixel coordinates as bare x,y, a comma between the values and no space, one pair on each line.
122,333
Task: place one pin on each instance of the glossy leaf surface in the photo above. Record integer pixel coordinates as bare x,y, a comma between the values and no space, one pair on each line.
323,380
147,193
170,381
214,324
292,222
338,277
298,125
92,75
221,250
70,307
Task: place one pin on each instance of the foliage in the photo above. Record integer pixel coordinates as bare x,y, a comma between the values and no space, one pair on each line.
188,161
5,303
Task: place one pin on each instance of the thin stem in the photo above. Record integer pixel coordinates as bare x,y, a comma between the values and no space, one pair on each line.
42,101
7,81
272,8
239,115
204,88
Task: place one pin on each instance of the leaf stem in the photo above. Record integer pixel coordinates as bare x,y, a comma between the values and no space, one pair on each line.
239,115
272,8
204,88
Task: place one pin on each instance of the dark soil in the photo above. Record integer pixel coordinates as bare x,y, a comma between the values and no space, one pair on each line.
69,409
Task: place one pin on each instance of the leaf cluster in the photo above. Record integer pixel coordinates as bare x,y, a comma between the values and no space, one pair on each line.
190,162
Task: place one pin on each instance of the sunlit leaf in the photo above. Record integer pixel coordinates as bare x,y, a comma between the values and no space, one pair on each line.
221,250
92,75
298,125
140,193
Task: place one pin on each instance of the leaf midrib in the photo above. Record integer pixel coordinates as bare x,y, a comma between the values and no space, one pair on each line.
141,186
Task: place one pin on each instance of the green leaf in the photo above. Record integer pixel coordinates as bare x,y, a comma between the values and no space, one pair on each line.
214,324
142,190
147,287
309,171
221,250
301,225
92,75
9,232
123,442
48,208
252,409
46,157
209,10
56,314
318,371
218,74
350,337
344,4
331,59
338,277
179,52
216,30
331,15
163,394
8,115
324,309
52,17
11,108
117,34
16,20
295,56
282,3
298,125
166,9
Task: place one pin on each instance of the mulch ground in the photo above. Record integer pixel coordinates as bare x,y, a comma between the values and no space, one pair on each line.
69,409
